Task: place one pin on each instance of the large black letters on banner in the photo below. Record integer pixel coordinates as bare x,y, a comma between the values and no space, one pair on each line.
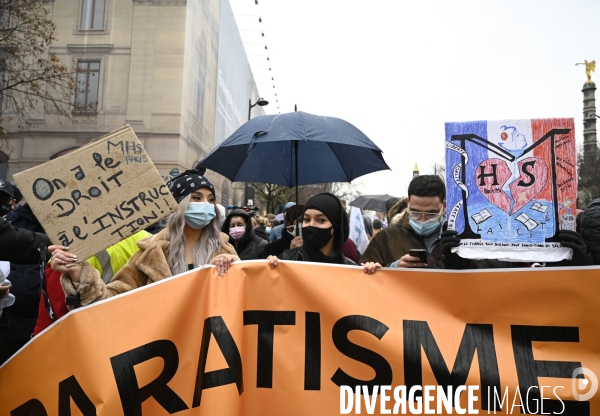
478,337
529,369
266,321
132,396
312,352
215,325
383,370
528,173
68,388
31,407
493,174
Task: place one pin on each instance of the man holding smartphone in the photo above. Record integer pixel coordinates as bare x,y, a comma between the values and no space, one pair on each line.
415,241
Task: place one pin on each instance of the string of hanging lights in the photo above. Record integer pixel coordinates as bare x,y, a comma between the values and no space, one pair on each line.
253,36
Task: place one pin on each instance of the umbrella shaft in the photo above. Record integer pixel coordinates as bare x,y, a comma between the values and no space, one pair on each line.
297,202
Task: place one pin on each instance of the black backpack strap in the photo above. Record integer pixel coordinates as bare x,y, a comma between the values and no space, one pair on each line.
43,263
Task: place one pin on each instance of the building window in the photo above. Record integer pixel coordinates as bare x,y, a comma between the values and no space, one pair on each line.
92,14
88,81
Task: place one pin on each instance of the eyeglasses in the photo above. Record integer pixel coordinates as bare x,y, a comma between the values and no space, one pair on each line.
416,215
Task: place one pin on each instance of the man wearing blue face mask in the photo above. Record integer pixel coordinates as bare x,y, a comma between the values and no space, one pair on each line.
420,229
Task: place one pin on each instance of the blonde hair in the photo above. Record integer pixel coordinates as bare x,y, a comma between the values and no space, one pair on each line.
206,248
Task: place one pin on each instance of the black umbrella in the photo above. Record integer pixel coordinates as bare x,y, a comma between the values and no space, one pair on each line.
295,149
377,203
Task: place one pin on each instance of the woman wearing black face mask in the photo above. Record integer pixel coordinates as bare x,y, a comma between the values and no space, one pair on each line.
325,228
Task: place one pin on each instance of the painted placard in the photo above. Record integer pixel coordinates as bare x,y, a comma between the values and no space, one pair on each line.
511,186
97,195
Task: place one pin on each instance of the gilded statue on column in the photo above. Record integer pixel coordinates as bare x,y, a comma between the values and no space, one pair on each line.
589,68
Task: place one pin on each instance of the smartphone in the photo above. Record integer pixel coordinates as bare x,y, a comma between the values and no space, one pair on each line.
420,253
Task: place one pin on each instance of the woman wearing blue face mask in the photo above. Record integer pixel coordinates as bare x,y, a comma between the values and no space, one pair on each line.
192,239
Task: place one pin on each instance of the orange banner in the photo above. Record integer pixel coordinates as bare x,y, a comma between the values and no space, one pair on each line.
261,341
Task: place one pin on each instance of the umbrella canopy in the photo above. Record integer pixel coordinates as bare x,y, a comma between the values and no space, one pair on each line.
268,149
374,202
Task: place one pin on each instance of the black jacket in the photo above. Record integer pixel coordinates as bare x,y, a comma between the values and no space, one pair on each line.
277,247
298,254
17,321
262,233
590,229
20,245
250,246
249,249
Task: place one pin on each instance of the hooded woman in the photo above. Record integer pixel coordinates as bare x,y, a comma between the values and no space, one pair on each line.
241,235
325,228
192,239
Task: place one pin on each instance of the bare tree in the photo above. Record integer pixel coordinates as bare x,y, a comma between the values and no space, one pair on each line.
271,195
439,168
32,79
345,191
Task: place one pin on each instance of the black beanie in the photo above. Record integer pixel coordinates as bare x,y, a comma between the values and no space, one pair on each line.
6,187
187,182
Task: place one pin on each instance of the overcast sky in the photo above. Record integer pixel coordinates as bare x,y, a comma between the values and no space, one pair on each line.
398,70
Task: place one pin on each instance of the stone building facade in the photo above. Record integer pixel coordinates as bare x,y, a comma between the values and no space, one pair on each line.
152,64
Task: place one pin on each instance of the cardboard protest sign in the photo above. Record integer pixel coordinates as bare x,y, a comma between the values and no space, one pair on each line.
284,341
97,195
511,186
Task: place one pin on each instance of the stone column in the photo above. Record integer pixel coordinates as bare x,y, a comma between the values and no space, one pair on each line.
589,117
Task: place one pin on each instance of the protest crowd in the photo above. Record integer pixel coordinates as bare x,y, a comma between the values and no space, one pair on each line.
200,232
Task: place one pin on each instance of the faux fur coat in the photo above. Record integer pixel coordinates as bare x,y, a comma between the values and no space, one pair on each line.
147,266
